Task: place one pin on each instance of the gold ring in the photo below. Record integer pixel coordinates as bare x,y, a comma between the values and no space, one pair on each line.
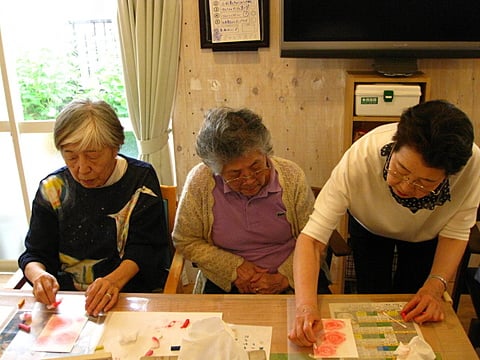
109,295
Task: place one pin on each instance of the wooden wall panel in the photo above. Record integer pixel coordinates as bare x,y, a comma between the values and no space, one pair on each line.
300,100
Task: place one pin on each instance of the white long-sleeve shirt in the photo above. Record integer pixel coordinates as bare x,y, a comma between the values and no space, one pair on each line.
357,184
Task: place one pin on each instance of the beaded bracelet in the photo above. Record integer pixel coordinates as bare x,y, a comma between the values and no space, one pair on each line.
442,279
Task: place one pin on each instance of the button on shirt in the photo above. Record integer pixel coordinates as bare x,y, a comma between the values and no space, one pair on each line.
255,228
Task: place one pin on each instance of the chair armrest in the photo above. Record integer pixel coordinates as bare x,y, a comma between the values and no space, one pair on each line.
16,281
338,245
174,284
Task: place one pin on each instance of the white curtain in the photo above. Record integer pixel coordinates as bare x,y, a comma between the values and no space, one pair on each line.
150,43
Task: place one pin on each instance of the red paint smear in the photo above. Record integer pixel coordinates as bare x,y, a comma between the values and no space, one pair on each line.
335,337
324,350
156,342
333,324
66,337
58,322
41,340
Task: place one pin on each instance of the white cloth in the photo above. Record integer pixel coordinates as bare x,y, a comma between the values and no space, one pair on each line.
416,349
357,184
211,339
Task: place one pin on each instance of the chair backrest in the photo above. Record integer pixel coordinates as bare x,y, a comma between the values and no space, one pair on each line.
460,281
169,194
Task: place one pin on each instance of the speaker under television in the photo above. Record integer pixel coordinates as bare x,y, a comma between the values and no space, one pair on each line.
395,33
396,67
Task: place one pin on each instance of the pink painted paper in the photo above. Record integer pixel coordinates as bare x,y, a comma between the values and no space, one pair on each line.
60,333
336,340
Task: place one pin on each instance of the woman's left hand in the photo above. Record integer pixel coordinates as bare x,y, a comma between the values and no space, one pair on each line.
426,305
101,296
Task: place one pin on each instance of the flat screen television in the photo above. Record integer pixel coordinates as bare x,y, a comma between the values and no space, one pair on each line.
380,29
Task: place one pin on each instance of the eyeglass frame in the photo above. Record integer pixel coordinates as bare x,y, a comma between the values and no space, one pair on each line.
245,178
405,178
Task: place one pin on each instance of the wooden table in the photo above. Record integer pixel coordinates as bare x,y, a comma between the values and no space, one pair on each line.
447,338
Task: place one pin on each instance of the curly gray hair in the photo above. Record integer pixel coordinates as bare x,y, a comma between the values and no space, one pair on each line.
227,134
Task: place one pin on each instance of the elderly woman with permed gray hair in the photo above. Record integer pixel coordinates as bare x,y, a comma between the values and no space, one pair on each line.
242,208
97,224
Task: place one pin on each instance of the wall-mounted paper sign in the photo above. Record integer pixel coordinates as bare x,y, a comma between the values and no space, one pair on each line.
234,25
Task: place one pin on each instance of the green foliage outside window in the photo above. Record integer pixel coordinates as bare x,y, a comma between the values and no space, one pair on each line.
49,82
130,145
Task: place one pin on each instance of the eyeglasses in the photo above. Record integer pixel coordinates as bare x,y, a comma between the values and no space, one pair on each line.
415,184
239,180
406,178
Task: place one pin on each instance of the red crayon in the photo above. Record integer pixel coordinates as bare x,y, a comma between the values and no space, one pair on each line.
55,304
185,324
24,327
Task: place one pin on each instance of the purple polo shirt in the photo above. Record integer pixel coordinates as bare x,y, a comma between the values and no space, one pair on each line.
254,228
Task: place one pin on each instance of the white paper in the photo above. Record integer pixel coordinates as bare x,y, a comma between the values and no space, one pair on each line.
253,337
336,340
168,327
60,333
234,21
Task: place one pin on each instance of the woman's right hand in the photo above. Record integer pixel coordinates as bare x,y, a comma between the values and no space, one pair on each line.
45,288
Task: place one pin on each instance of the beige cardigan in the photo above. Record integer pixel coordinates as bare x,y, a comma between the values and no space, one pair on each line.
194,220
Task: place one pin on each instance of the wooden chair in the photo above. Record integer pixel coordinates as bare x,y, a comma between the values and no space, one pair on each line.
460,282
337,246
174,283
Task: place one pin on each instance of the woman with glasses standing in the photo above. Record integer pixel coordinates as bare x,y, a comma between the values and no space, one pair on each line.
242,209
410,187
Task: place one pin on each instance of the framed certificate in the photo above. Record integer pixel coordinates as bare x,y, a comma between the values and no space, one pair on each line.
227,25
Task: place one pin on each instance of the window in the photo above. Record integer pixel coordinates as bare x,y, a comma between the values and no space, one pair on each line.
53,51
